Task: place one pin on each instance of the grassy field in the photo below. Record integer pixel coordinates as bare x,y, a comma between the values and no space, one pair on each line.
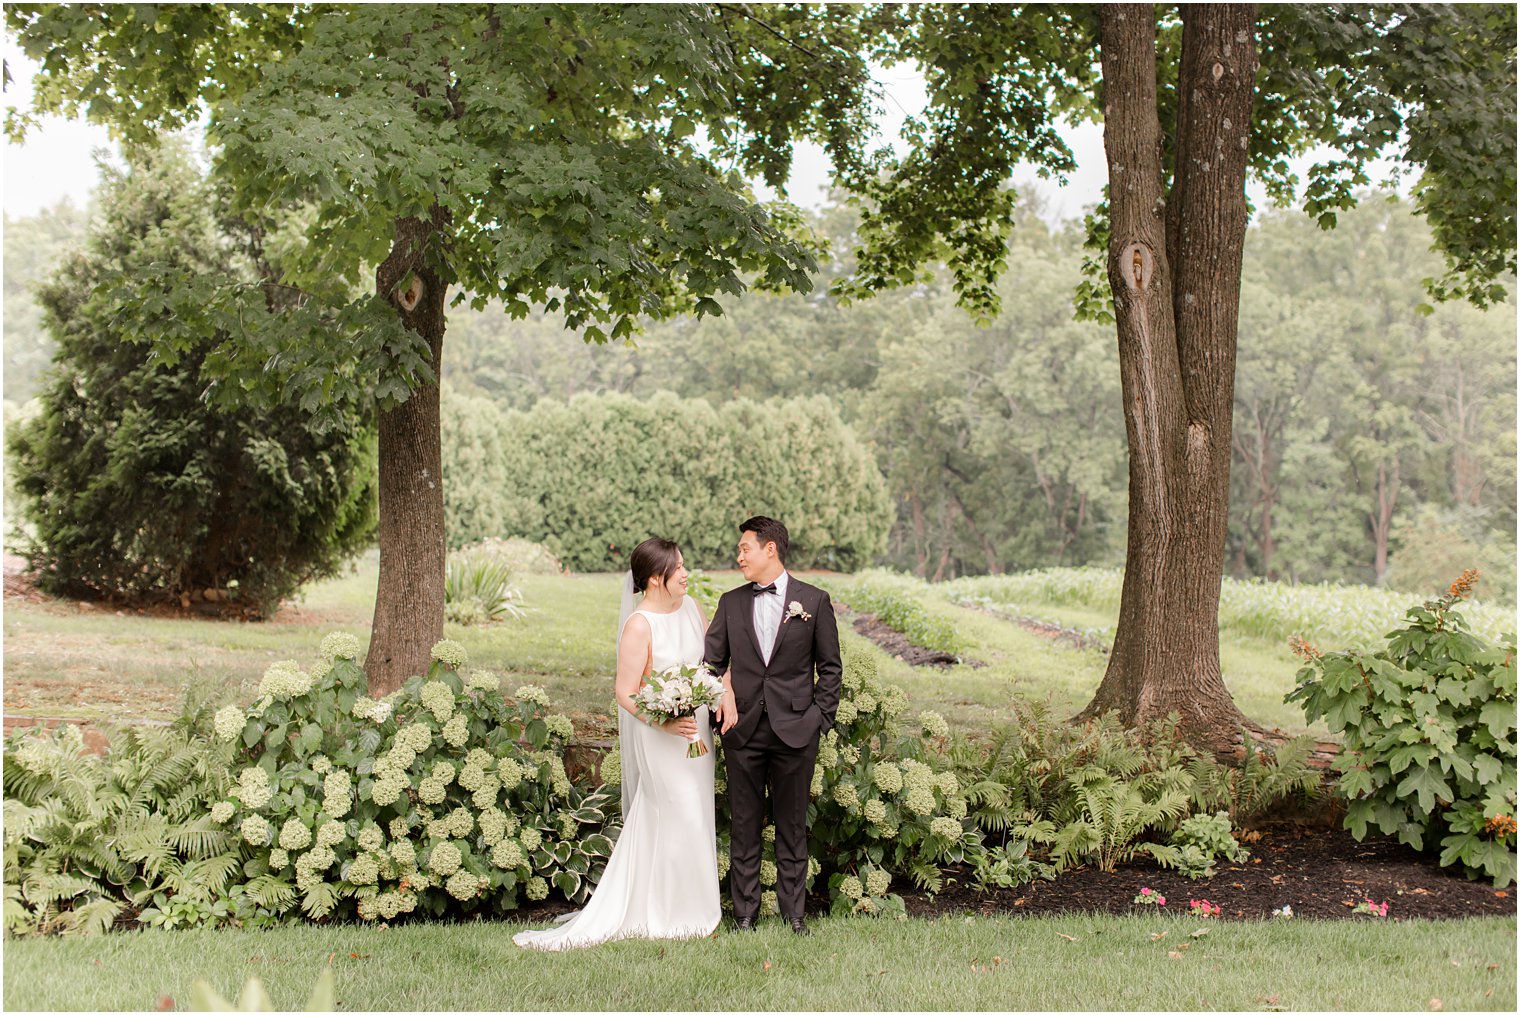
953,963
65,660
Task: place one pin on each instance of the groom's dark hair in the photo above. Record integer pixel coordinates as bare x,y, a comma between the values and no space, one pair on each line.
654,556
768,530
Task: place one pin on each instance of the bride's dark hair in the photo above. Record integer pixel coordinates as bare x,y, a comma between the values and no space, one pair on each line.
654,556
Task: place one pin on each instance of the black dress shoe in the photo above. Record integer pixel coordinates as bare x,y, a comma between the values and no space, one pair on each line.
799,927
744,923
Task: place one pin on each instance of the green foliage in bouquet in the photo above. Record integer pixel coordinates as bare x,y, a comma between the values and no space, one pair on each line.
1428,725
894,601
442,797
90,840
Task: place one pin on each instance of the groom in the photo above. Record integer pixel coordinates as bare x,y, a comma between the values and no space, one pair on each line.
770,635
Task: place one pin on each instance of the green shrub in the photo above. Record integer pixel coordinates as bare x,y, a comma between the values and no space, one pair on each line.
894,600
593,477
477,588
442,797
90,840
136,487
1428,725
1200,841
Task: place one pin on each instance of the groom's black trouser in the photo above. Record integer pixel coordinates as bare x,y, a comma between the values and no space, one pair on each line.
766,762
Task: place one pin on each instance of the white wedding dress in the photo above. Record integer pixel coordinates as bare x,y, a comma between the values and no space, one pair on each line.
662,878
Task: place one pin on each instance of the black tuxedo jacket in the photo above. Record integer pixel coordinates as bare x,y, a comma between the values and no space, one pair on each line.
797,707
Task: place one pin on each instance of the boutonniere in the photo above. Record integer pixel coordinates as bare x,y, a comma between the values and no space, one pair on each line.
794,609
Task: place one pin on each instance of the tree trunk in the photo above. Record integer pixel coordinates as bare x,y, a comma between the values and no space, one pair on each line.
1176,287
1381,519
408,619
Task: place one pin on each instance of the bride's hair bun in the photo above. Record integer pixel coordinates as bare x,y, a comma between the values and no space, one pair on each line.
654,556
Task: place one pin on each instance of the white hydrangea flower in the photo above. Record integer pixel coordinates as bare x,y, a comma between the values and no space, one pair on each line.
919,801
480,680
485,794
229,722
283,680
278,859
828,755
532,693
537,889
256,831
363,871
956,807
895,702
507,855
612,766
450,654
767,872
399,827
887,776
456,731
851,755
370,837
443,771
415,737
877,882
769,904
560,726
461,822
331,833
813,867
321,764
851,888
339,645
462,885
845,713
253,788
432,791
947,783
222,811
438,698
945,828
404,853
865,703
933,724
337,793
768,833
444,859
875,811
295,835
724,862
388,789
845,796
493,825
531,839
815,789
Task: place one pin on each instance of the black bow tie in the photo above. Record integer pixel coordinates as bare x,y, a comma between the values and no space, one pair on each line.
761,590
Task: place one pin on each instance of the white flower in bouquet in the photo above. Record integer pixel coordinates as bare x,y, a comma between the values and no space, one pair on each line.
676,693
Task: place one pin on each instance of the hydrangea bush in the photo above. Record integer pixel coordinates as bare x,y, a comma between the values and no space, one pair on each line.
442,797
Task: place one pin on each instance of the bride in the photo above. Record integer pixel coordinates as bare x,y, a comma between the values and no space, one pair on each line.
662,879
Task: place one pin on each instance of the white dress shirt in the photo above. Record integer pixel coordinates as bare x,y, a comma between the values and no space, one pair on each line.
768,610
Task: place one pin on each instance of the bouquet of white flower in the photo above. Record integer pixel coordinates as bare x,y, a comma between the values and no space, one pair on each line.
676,693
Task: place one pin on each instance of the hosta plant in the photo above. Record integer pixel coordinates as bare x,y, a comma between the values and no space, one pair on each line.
1201,841
1428,725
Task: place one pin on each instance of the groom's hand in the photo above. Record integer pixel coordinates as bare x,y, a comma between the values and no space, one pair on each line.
728,712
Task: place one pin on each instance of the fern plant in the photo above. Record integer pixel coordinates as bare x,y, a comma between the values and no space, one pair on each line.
91,840
1262,778
1114,814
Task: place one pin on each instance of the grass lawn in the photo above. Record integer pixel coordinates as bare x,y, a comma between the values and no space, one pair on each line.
61,660
953,963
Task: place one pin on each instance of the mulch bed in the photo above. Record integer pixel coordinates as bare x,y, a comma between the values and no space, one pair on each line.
897,645
1320,872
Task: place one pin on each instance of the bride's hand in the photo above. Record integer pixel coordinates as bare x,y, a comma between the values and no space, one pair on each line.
684,727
